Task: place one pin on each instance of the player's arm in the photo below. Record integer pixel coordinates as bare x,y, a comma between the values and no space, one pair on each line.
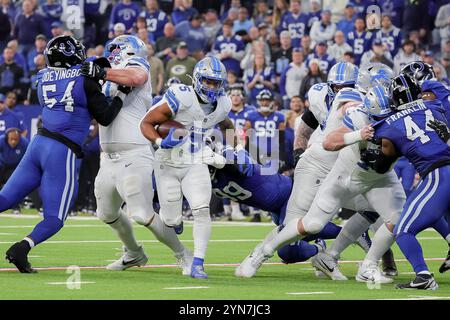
130,76
344,136
155,116
97,104
382,159
308,124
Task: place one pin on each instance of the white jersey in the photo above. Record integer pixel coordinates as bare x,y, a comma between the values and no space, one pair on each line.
124,133
196,117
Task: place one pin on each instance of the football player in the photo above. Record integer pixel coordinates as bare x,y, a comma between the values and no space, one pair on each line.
69,102
126,164
406,132
198,107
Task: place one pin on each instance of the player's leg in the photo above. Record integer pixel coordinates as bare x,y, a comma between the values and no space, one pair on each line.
108,210
196,186
298,251
426,205
136,188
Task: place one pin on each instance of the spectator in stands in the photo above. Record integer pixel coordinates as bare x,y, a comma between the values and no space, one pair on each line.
255,41
27,26
428,57
390,35
324,29
212,26
440,76
5,30
11,100
415,17
182,11
297,105
243,23
39,64
9,8
156,70
346,24
229,48
165,46
315,75
339,47
99,50
315,12
282,57
17,57
264,31
94,24
442,22
257,46
296,22
56,29
125,12
9,119
320,53
10,73
349,57
156,19
261,12
181,65
378,53
51,11
359,39
281,7
119,29
40,43
394,8
234,7
444,57
193,34
306,45
292,77
259,77
405,55
144,35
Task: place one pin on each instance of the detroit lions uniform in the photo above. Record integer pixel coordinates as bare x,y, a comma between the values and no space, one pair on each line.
126,162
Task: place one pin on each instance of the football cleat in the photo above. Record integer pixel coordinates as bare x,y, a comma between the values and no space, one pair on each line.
364,242
179,228
184,260
388,264
328,265
129,259
237,216
17,254
198,272
252,262
446,265
421,282
369,272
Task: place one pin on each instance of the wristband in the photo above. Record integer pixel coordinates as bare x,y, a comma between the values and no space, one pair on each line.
352,137
158,142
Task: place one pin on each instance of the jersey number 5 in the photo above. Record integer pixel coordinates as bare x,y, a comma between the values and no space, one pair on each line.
67,99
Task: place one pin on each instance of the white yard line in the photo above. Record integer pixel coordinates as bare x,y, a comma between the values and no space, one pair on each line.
70,282
309,293
185,288
420,298
7,234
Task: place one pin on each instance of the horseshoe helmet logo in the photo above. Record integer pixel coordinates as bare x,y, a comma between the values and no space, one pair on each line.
67,51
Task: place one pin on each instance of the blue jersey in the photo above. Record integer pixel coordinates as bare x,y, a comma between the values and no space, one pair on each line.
394,8
267,192
124,13
10,157
406,173
268,75
155,22
408,131
232,44
442,93
325,61
391,39
62,96
360,43
9,119
266,129
92,7
296,25
238,118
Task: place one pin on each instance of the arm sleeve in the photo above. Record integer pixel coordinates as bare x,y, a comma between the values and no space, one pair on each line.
310,120
97,104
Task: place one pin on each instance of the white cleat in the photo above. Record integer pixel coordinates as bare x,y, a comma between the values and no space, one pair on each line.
184,260
325,263
237,216
371,273
252,263
129,259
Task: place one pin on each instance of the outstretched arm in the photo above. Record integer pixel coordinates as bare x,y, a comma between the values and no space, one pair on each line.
153,117
343,136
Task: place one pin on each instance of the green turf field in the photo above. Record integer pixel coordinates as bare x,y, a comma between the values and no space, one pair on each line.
87,242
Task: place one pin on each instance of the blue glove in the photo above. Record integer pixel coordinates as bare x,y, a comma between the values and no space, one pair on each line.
245,163
170,141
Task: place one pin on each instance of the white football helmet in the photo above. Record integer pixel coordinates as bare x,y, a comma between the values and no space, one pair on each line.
209,79
342,74
373,74
124,47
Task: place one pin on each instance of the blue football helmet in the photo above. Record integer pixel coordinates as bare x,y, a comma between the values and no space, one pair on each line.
124,47
373,74
268,105
209,79
342,74
377,103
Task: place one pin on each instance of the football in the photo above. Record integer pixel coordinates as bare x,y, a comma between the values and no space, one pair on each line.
164,128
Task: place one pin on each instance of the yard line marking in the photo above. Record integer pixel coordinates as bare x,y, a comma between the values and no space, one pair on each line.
74,282
308,293
7,234
36,257
158,266
407,273
185,288
420,298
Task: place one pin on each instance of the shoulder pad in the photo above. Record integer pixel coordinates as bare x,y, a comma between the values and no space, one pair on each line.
184,97
316,96
138,62
220,38
347,95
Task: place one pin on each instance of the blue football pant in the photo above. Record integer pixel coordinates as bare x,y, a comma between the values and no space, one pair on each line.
53,167
425,206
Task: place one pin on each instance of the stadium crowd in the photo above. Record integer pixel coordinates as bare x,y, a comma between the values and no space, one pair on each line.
285,47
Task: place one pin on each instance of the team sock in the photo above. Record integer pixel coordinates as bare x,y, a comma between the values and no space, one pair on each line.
197,261
330,231
351,231
381,243
124,229
412,251
297,252
45,229
201,231
288,235
165,234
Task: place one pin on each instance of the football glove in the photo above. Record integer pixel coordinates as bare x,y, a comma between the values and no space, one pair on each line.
441,129
245,163
92,70
171,141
